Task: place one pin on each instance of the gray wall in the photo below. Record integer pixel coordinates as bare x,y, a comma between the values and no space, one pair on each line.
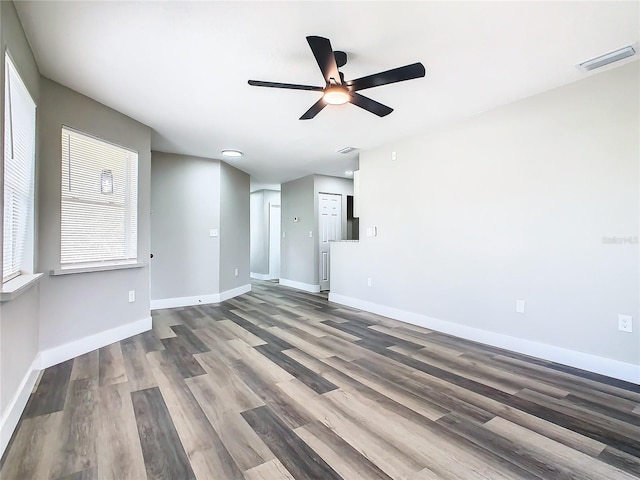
234,227
260,202
185,205
78,305
511,204
19,317
297,260
336,186
299,252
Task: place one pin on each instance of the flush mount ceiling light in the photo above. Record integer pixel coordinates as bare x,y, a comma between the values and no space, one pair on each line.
336,95
607,58
231,153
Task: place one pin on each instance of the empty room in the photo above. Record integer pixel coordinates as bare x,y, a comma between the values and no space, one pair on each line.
320,240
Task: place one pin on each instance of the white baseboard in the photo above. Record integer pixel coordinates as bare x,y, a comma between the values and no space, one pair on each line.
17,404
62,353
307,287
585,361
260,276
234,292
199,299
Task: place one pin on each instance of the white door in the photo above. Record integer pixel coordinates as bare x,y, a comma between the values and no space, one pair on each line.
330,228
274,241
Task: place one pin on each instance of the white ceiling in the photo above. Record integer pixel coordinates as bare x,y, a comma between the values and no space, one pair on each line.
182,67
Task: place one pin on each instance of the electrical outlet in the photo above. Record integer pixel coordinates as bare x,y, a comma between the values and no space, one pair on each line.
625,323
369,282
213,232
132,296
236,272
310,233
284,234
519,306
394,156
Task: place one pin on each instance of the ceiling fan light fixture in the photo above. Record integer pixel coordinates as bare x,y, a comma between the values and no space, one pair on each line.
231,153
336,95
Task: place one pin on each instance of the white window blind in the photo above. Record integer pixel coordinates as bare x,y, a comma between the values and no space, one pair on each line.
19,166
99,202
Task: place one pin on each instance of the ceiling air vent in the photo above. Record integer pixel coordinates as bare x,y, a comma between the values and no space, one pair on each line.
346,150
607,58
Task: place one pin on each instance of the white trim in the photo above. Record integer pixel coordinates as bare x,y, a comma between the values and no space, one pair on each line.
234,292
260,276
184,301
70,350
199,299
96,268
585,361
18,285
307,287
17,404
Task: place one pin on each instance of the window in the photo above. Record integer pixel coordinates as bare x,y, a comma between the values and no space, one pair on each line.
19,167
99,202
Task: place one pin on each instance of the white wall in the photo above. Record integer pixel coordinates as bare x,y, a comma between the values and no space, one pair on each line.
234,229
297,262
191,196
511,204
82,305
19,317
299,251
185,205
260,201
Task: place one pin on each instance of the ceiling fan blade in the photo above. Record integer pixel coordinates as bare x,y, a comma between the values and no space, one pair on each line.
370,105
321,48
400,74
314,110
292,86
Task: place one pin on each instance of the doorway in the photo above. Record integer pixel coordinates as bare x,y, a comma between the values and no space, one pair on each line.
330,229
274,241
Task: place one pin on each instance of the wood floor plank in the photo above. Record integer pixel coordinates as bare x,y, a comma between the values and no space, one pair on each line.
242,443
442,457
272,470
32,452
391,459
297,457
78,432
118,447
290,411
563,459
111,365
179,355
191,341
139,375
281,384
299,371
52,391
248,337
85,366
207,454
164,456
342,457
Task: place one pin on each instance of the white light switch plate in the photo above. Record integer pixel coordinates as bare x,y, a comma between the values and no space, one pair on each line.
519,306
132,296
213,232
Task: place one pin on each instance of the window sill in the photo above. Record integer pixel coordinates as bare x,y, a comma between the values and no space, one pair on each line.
95,268
13,288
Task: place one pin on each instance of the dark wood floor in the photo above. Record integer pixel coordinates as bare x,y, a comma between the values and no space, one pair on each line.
280,384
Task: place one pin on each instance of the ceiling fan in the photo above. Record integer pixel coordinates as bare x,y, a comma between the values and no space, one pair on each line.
338,91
